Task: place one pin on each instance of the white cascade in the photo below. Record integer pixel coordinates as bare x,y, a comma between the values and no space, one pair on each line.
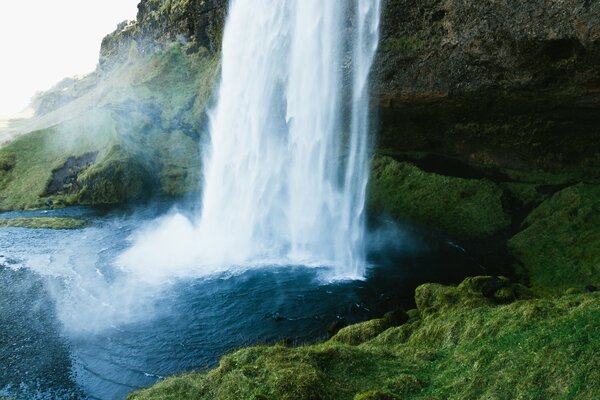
286,174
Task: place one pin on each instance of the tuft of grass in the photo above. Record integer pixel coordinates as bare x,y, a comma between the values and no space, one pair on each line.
559,246
43,223
534,348
468,208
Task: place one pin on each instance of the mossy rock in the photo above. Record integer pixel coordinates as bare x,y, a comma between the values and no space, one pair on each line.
44,223
359,333
559,246
473,292
119,178
413,313
467,208
526,194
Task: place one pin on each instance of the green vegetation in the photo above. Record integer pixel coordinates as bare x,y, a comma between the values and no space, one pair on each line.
465,207
413,42
530,349
143,120
43,223
560,245
526,194
35,155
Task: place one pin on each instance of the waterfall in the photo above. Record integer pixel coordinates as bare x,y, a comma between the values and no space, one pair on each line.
286,173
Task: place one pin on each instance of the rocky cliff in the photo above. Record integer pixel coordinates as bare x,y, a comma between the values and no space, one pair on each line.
160,23
504,83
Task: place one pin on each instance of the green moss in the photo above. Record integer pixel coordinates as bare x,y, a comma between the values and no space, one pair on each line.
465,207
560,244
118,179
573,291
414,313
143,119
43,223
526,194
376,395
34,156
403,43
532,348
356,334
471,293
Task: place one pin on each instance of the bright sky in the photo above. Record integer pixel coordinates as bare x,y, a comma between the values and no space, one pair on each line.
44,41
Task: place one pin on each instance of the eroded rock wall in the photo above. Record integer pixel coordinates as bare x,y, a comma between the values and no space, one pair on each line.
504,83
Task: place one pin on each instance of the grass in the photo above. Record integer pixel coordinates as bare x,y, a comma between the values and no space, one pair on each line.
465,207
559,247
528,349
413,42
23,186
144,119
44,223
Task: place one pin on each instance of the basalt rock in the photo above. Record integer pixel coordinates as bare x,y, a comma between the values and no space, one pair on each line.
505,83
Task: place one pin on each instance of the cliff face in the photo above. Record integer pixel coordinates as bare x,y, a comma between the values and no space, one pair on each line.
501,83
198,23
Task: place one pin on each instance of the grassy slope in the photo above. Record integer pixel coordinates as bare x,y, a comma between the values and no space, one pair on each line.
463,349
559,247
465,207
144,120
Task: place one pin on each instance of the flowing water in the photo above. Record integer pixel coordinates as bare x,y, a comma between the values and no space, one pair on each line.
98,312
73,325
286,174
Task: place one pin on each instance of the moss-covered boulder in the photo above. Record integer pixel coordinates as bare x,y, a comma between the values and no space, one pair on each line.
359,333
468,208
120,178
559,246
471,293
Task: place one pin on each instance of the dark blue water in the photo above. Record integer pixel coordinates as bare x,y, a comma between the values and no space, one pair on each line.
73,326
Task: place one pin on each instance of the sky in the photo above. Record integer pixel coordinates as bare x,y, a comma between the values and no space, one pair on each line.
44,41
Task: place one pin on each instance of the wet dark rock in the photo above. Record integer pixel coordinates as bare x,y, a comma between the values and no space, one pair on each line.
505,84
64,179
